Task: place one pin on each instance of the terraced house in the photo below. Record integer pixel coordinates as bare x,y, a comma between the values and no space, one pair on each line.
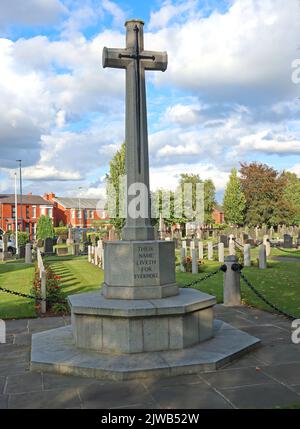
78,211
33,206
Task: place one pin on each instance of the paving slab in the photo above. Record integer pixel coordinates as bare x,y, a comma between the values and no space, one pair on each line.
195,397
288,373
277,360
261,396
50,399
112,395
23,383
236,378
3,402
2,384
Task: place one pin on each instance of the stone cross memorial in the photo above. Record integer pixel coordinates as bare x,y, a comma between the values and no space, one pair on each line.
118,331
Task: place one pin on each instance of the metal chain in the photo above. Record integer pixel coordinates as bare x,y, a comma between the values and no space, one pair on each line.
207,276
283,250
23,295
238,268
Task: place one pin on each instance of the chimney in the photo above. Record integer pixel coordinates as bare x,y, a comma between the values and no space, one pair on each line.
49,197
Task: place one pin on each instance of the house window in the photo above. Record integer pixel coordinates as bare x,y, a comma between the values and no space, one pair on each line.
34,211
79,214
13,211
50,212
73,214
85,214
91,214
27,212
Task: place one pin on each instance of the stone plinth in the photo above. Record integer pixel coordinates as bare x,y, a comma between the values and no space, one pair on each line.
139,269
54,351
136,326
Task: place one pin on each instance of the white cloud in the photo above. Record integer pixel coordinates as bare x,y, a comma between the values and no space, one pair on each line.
243,54
115,11
30,12
269,143
167,177
169,10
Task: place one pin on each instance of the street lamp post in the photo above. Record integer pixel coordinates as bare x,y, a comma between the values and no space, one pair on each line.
21,205
16,216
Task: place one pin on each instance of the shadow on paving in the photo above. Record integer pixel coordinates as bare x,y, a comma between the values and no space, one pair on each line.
268,377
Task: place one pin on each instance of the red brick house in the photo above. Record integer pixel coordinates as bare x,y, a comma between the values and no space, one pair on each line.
77,211
33,206
218,214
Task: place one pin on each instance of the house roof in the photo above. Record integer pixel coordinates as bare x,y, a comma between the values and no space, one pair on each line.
76,202
219,208
26,199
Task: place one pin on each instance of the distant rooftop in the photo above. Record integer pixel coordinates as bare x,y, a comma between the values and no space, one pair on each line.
26,199
75,202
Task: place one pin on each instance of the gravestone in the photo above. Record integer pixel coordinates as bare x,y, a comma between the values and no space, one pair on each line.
140,311
287,241
221,252
262,261
62,251
22,251
28,253
48,246
75,249
225,240
247,255
70,239
4,255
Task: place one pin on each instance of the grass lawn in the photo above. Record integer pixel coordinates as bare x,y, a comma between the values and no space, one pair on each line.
279,283
16,276
77,274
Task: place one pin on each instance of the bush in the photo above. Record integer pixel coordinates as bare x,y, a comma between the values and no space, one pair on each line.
57,302
187,263
44,228
23,238
61,231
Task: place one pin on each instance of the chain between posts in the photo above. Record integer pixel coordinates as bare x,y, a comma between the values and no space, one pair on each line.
238,268
207,276
283,250
23,295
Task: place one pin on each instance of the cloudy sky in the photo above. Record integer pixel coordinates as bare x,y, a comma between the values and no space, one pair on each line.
227,95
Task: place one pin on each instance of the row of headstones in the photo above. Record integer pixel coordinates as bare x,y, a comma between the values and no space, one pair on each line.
264,252
96,254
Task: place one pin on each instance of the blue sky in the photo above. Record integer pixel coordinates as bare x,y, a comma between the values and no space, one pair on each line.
227,95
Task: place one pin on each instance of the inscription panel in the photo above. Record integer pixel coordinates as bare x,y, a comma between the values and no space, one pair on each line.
146,265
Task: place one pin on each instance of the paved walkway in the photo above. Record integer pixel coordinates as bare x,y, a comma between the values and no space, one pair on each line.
265,378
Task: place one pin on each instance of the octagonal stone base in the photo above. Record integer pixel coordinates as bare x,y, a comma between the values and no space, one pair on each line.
54,351
136,326
139,269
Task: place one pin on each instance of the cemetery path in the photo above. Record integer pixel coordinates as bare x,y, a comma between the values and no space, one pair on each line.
265,378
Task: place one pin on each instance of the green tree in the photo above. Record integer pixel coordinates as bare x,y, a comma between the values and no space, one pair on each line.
292,196
116,170
234,201
44,228
263,188
209,194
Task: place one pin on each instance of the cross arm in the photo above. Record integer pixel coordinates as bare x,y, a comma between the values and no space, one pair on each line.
111,58
157,61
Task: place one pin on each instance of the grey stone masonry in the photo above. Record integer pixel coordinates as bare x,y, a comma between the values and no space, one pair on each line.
232,287
28,253
139,269
135,60
262,261
136,326
247,255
